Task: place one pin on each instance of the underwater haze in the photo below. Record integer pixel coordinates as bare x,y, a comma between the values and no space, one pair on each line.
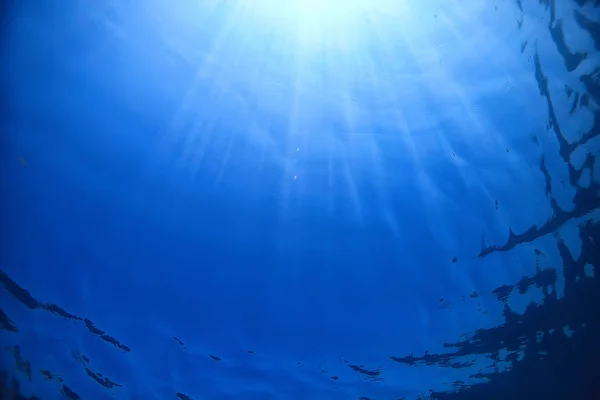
300,199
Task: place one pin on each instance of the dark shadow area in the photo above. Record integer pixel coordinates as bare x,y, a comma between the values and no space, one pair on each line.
553,348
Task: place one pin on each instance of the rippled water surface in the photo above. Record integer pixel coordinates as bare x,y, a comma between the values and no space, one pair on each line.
260,199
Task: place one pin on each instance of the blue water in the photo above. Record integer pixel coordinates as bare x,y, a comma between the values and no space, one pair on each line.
260,199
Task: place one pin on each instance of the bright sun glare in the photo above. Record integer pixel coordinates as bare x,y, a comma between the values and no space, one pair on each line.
314,18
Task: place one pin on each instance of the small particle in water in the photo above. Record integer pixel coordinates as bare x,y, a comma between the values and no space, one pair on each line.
22,161
534,139
445,305
49,376
180,342
524,44
496,204
335,378
455,259
507,150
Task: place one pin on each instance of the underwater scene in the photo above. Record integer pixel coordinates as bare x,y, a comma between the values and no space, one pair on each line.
300,199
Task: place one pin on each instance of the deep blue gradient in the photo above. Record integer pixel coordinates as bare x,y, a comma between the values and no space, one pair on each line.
298,190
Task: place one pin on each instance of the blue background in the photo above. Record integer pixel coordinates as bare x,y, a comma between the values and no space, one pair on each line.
248,175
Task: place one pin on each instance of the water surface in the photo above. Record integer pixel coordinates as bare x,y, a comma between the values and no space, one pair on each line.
310,200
